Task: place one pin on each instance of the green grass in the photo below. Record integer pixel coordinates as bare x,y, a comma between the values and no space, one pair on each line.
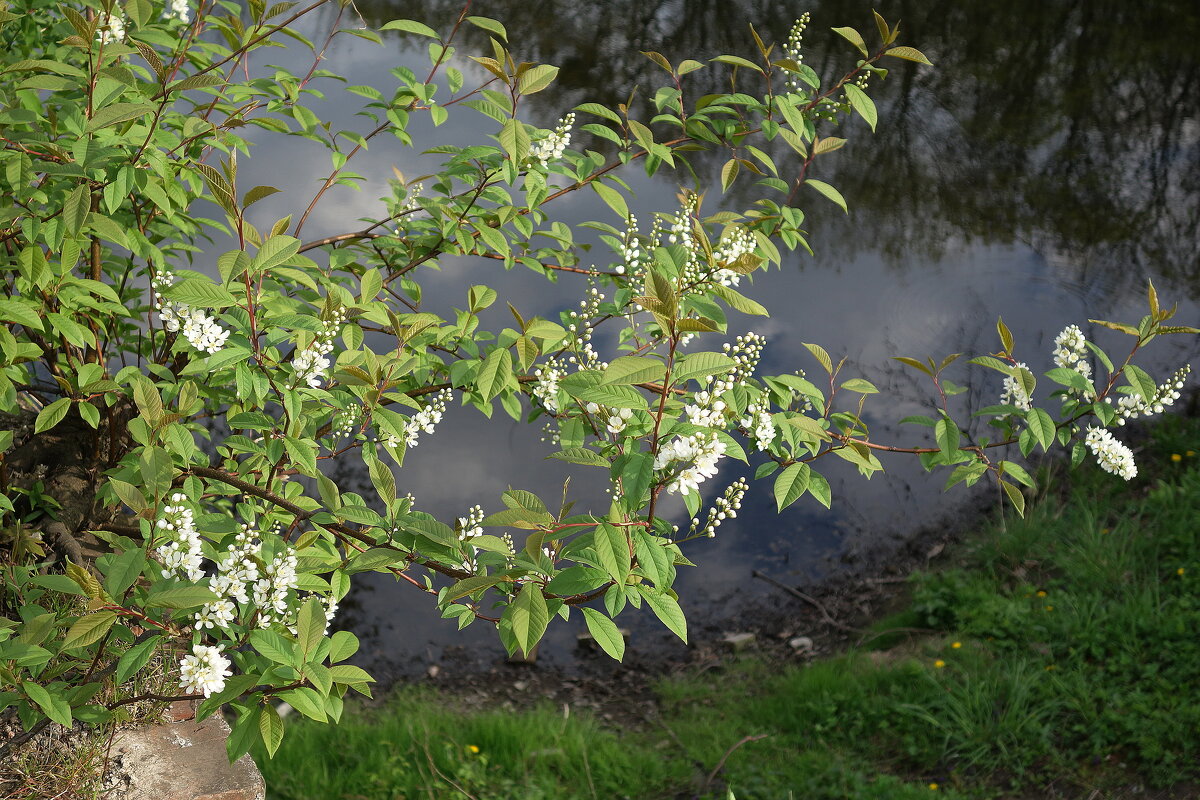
1077,669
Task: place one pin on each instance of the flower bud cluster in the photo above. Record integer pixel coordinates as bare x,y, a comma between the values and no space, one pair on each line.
1132,406
1070,351
469,526
745,352
181,552
414,196
204,670
724,507
758,421
1113,457
545,389
551,148
346,421
424,420
631,249
792,48
201,330
699,452
579,332
312,362
1014,391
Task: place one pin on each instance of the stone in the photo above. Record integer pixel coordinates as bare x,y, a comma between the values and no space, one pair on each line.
181,761
738,641
801,644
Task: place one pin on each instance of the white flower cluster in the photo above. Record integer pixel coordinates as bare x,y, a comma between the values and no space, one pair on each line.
545,389
615,420
1070,351
112,29
792,48
469,526
707,411
1014,392
414,195
312,362
552,146
181,552
724,507
201,330
758,421
1112,456
204,670
698,452
1132,406
180,10
736,242
271,592
424,420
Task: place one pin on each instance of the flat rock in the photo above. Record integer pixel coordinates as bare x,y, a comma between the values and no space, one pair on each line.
181,761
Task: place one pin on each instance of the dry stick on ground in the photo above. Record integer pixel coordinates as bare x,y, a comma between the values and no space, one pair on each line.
812,601
712,776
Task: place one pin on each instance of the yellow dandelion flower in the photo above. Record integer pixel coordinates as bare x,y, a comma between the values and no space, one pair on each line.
933,787
1180,571
1049,608
1041,593
1190,453
1050,668
473,749
1176,457
939,663
956,645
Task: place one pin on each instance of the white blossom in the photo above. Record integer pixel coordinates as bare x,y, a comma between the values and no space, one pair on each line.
552,146
1133,405
180,10
1112,456
180,553
699,453
1070,351
545,389
469,526
201,331
1014,392
204,670
219,614
311,363
112,29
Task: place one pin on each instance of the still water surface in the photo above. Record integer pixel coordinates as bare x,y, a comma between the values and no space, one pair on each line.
1045,168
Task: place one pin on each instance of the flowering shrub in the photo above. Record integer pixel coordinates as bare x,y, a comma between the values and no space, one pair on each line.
116,357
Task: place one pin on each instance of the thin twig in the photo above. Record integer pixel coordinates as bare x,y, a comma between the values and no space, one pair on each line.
713,775
812,601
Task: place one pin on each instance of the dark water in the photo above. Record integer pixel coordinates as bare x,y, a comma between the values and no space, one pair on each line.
1042,171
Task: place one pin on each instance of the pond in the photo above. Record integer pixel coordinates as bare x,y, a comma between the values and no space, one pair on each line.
1042,171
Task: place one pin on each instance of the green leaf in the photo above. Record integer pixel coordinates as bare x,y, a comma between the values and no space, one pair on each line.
20,313
605,632
515,139
633,369
274,646
948,436
529,616
495,374
791,483
473,584
738,61
275,252
821,355
1016,471
1142,383
667,609
270,727
489,25
75,209
580,455
1041,426
136,657
612,549
828,191
855,38
310,625
577,580
56,708
909,54
862,104
201,293
302,454
245,732
612,198
729,174
51,415
861,386
535,79
410,26
342,645
117,113
181,597
124,570
1015,497
88,629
